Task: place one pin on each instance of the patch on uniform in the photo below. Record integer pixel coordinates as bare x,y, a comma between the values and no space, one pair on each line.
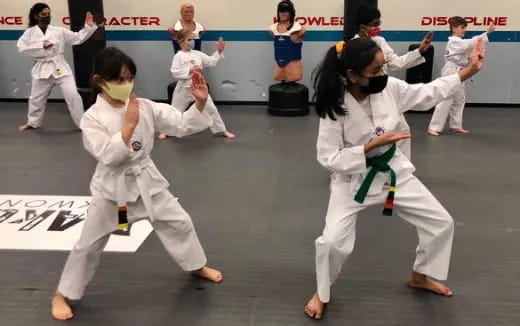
380,131
136,146
192,62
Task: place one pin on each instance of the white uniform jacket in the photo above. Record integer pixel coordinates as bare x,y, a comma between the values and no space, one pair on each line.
51,61
340,146
184,61
124,173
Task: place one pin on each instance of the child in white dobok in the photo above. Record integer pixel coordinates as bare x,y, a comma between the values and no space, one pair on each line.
47,43
360,109
118,130
458,51
184,64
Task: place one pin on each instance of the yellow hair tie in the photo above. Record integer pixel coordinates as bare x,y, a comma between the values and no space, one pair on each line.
339,47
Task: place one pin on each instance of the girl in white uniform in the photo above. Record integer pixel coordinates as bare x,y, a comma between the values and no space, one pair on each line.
360,109
184,64
456,55
46,43
118,130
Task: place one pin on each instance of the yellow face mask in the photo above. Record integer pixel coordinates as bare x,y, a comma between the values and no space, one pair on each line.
119,92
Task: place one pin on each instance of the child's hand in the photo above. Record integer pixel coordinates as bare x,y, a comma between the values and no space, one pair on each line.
47,44
386,139
199,89
132,111
478,55
220,45
476,60
426,42
490,29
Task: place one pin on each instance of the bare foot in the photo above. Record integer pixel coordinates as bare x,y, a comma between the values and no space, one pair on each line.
432,132
460,131
25,127
209,273
315,308
162,136
421,281
60,307
228,135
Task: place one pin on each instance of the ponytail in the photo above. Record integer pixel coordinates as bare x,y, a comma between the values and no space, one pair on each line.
330,77
329,86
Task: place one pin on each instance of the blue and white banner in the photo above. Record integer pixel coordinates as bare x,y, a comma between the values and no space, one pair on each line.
248,20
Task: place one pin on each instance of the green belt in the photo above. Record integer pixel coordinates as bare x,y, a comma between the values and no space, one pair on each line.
379,164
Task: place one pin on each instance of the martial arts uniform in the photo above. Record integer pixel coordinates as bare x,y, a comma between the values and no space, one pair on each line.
288,54
396,62
457,56
182,96
126,175
51,68
340,149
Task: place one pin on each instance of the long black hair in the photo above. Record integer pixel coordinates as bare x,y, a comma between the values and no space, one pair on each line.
286,6
35,10
330,77
108,64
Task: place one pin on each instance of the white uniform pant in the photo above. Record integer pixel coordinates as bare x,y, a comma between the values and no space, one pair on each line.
40,91
452,107
182,97
171,223
413,203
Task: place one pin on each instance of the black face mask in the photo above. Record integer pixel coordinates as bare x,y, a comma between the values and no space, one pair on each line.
45,20
375,85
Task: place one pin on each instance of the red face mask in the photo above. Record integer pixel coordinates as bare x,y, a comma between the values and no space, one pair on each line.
374,31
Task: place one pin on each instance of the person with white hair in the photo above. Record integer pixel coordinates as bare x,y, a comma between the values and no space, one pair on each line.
187,22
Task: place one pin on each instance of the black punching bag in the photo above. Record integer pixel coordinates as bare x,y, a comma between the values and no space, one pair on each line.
423,72
84,53
288,99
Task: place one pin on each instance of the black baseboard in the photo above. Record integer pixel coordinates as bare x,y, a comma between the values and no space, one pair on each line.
21,100
265,103
476,105
24,100
495,105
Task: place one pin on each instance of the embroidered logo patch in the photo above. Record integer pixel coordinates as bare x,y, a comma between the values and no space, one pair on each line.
379,131
136,146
